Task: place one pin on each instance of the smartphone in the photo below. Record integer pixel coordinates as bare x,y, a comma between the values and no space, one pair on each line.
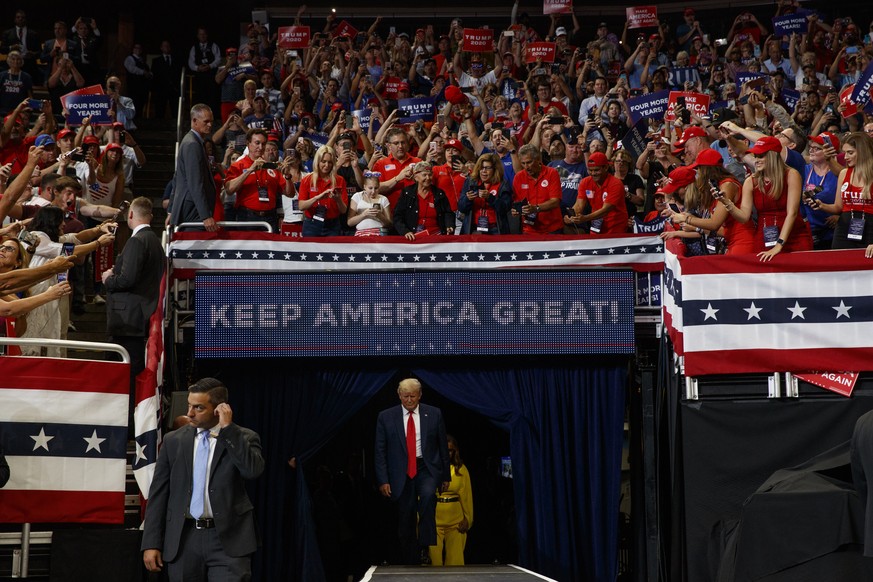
269,166
556,120
441,119
402,113
66,251
827,140
113,230
540,71
77,155
509,33
433,146
377,148
497,125
851,50
350,120
392,30
674,207
592,116
680,101
466,89
347,147
35,104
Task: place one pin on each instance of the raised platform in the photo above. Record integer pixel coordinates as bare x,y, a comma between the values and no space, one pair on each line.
509,572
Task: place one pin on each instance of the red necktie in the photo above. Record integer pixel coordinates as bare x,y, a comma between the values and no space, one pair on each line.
411,466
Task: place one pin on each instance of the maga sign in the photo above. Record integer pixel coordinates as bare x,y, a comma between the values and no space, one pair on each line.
641,16
696,103
243,315
557,6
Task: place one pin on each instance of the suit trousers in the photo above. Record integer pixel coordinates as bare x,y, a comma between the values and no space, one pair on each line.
417,503
201,558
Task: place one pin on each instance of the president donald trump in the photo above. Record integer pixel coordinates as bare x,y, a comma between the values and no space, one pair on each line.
412,463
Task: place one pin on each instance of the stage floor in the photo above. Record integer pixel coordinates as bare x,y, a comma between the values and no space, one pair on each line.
509,573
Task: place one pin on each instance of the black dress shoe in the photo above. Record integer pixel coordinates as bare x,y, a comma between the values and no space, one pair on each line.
425,557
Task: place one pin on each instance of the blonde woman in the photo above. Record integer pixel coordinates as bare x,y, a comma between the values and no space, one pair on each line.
854,205
774,192
323,196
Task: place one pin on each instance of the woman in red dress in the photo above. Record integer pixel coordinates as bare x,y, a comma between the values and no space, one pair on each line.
774,192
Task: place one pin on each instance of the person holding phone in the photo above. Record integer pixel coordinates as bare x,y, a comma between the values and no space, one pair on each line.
450,177
773,191
323,196
854,205
423,209
602,195
257,188
486,198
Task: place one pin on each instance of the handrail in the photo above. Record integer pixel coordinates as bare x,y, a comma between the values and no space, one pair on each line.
70,344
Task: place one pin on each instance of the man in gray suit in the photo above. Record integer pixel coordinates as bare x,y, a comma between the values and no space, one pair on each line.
193,198
199,520
133,285
412,478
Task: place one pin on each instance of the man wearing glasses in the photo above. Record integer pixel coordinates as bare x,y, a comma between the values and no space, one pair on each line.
396,168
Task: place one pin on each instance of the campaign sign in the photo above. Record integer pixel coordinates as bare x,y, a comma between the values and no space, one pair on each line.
648,106
557,6
842,383
293,37
478,40
261,314
318,139
90,90
861,92
363,116
785,25
416,108
850,108
344,29
681,75
634,141
745,77
649,284
243,68
543,51
94,106
696,103
654,226
641,16
790,97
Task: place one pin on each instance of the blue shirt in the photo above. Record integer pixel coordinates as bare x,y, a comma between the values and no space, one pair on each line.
571,175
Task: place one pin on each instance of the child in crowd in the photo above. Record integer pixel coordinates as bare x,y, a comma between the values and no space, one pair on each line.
369,211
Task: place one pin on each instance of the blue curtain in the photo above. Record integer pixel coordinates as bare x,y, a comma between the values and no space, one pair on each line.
295,411
565,428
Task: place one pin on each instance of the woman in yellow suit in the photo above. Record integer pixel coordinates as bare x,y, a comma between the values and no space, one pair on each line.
454,513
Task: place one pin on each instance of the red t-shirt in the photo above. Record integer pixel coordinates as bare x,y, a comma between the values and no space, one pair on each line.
611,191
853,196
427,213
481,209
247,195
539,190
449,182
390,167
310,187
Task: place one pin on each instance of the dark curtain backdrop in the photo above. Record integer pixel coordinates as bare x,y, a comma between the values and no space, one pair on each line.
565,425
296,411
565,428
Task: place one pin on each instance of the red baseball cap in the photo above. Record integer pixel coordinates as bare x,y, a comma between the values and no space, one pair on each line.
835,141
336,106
708,157
454,95
598,159
689,12
403,86
678,178
455,145
690,131
766,144
91,140
64,133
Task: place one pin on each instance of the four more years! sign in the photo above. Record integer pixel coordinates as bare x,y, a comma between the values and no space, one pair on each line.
244,315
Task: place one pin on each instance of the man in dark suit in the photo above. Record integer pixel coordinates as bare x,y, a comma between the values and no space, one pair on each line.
412,477
193,198
132,286
23,39
166,71
199,520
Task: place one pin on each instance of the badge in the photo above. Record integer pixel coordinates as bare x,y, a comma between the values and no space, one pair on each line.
263,194
856,227
544,184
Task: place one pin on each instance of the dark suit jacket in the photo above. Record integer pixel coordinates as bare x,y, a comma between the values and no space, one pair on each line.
133,289
406,213
237,457
10,39
390,455
861,454
165,78
193,198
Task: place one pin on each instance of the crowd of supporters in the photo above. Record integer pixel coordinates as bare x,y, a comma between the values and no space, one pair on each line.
412,132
